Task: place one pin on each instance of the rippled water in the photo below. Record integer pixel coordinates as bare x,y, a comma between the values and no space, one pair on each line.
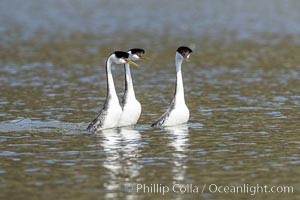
241,86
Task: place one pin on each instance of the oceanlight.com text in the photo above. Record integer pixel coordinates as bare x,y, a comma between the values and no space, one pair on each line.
157,188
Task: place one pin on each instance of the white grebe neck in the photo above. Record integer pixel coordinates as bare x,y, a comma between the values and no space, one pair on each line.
179,92
128,81
111,90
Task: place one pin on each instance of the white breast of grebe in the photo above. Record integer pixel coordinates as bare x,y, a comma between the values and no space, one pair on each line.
131,112
179,114
113,114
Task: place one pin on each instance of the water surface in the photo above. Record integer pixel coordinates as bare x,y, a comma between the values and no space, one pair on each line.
241,86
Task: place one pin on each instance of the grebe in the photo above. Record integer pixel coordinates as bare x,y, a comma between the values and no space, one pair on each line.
130,105
178,112
110,114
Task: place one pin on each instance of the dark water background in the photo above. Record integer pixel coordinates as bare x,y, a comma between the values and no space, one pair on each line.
241,86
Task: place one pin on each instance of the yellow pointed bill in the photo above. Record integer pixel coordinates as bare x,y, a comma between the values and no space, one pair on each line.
132,63
144,57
